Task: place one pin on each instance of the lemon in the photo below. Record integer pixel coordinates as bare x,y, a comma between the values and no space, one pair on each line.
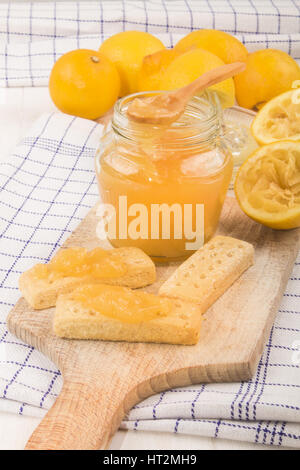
84,83
267,185
153,67
187,67
222,44
269,72
126,50
278,119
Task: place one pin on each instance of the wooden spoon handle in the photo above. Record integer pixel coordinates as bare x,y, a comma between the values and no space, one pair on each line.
210,78
81,418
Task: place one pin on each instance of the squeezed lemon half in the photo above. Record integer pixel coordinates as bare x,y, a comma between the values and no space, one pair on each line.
278,119
267,185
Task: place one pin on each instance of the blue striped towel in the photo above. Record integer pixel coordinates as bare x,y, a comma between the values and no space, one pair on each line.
34,35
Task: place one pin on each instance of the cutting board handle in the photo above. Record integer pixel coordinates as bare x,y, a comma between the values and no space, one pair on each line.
82,418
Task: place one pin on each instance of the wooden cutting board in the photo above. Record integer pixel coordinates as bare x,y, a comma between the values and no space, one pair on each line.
103,380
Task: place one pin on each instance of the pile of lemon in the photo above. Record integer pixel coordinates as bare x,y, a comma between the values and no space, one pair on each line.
87,83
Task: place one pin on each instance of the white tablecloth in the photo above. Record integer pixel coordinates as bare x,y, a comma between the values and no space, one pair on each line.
34,35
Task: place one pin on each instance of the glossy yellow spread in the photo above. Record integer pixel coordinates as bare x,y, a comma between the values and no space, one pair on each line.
168,177
79,262
121,303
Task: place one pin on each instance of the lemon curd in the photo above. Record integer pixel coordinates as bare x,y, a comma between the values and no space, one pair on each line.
79,262
121,303
153,172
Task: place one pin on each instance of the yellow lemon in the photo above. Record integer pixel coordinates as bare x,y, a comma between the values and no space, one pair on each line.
189,66
127,50
223,45
153,68
278,119
267,185
269,72
84,83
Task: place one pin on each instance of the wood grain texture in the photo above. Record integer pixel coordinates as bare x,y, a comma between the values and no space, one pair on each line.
103,380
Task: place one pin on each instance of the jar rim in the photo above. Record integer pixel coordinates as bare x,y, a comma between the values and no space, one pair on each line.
202,114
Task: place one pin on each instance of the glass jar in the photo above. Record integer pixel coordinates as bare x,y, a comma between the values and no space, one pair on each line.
165,184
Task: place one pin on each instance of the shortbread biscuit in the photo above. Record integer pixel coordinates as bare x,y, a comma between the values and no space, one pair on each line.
42,293
74,320
209,272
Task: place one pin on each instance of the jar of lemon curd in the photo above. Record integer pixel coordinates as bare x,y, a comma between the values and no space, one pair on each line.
164,186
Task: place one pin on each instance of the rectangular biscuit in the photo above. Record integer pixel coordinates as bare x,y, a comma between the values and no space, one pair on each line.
209,272
42,293
181,325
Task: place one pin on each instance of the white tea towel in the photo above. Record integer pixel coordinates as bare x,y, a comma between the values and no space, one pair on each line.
47,186
34,35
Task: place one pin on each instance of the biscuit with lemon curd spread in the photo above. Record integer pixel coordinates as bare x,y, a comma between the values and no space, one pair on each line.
209,272
126,266
112,313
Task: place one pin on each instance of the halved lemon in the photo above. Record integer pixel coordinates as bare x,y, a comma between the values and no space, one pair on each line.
267,185
278,119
